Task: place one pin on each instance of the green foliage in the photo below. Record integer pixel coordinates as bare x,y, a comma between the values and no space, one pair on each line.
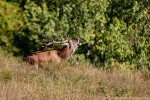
39,25
10,23
111,45
125,37
111,31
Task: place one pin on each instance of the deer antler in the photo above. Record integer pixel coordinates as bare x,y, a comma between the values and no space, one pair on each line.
58,42
48,43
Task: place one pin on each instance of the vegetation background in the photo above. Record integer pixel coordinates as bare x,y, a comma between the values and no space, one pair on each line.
115,34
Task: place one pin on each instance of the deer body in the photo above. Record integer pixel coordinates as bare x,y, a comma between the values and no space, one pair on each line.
56,56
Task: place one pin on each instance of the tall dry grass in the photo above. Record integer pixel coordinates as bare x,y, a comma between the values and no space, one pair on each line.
18,81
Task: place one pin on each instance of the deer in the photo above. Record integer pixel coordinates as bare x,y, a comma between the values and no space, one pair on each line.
56,55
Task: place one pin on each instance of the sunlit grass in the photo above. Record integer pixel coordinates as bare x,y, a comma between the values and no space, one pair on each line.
65,81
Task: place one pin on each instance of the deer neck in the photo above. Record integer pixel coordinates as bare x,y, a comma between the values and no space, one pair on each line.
65,53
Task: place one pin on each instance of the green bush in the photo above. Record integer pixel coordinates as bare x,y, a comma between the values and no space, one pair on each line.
10,23
125,37
111,31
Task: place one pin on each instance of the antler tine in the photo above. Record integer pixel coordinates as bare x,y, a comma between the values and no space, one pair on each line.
66,36
45,41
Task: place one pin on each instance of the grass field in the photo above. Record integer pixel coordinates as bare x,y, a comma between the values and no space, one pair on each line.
19,81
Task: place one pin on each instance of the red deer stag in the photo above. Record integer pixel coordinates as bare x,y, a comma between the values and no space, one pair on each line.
56,56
